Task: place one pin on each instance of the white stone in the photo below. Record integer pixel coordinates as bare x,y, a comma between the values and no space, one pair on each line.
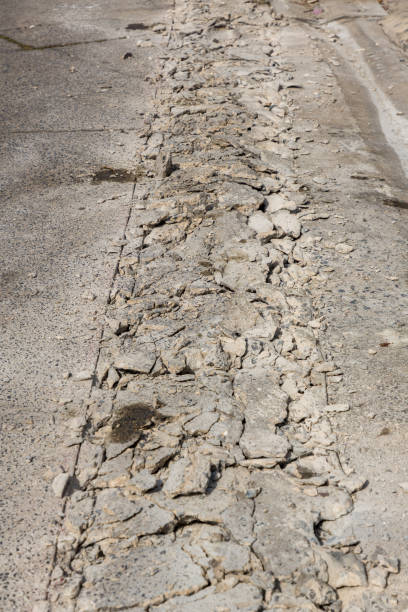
82,375
344,248
377,576
261,224
337,503
337,408
287,223
59,484
277,202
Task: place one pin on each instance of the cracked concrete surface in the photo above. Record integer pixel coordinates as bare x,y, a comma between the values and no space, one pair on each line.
212,438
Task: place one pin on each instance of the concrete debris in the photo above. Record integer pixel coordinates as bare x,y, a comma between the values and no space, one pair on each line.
188,476
287,223
59,484
345,570
137,361
213,464
141,578
244,597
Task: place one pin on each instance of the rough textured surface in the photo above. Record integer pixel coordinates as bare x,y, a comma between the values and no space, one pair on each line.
213,469
142,577
67,111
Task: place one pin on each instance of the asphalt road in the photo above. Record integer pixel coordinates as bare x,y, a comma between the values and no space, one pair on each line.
70,105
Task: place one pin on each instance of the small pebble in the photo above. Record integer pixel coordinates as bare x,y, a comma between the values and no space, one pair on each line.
59,484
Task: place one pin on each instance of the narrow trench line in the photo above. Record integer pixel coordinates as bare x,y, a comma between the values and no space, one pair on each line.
89,394
25,47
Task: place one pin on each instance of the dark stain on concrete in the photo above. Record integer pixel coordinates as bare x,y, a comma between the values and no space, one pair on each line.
120,175
130,420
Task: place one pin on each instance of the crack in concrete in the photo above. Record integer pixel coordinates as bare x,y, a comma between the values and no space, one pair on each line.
26,47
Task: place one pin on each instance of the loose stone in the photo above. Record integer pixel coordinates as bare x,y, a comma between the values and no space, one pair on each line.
59,484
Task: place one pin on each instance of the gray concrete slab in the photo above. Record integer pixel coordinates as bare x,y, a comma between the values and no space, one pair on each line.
65,112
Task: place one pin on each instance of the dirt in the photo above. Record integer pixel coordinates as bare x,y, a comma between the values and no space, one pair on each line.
130,420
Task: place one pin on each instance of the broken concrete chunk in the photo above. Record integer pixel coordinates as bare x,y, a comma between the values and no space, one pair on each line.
316,590
156,459
334,504
121,463
173,361
112,378
188,475
311,404
113,449
206,508
78,512
277,202
240,197
257,442
164,164
137,361
151,519
272,296
264,402
142,482
241,275
281,601
261,224
242,597
283,537
345,570
124,581
377,577
229,556
226,431
305,342
287,223
238,520
111,505
201,424
236,347
89,460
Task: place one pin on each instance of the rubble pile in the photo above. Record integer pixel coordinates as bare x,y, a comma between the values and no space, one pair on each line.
208,476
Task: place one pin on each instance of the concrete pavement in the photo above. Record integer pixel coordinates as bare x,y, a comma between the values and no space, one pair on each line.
66,111
205,310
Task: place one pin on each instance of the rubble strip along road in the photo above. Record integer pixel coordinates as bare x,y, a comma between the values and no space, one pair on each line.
212,468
